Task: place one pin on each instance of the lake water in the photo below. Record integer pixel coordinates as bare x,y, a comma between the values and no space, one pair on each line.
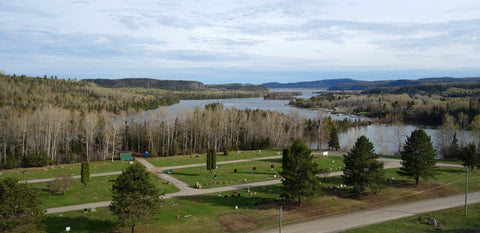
384,137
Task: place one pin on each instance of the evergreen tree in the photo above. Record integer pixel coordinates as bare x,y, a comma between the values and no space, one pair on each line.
135,196
418,157
85,174
20,207
334,142
469,156
362,169
299,173
211,160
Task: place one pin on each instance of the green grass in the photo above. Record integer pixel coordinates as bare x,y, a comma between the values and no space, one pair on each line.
450,220
98,189
58,170
189,214
201,158
263,172
194,213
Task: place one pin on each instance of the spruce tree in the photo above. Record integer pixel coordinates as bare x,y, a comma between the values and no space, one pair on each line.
85,174
135,196
362,169
334,142
469,156
299,173
20,207
418,157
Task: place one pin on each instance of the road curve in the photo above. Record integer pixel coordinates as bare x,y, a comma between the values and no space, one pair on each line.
352,220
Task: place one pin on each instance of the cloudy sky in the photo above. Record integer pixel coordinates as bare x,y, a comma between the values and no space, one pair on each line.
248,41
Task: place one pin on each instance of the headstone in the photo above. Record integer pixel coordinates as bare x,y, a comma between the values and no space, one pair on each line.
93,209
236,207
198,185
67,229
432,222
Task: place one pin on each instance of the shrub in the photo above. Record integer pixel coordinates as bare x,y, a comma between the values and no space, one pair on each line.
226,152
272,166
235,170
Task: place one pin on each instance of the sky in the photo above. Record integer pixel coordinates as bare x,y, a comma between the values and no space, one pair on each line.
248,41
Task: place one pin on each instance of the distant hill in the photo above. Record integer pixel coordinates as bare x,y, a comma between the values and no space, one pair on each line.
351,84
238,87
320,84
147,83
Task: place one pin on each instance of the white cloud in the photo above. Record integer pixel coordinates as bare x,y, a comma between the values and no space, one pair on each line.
288,35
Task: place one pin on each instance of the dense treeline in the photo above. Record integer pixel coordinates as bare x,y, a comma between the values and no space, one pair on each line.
56,135
416,108
454,89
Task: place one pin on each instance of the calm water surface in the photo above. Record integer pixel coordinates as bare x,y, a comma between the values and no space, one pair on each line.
386,138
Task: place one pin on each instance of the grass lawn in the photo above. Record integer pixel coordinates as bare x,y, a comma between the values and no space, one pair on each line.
450,220
263,172
58,170
98,189
192,214
202,158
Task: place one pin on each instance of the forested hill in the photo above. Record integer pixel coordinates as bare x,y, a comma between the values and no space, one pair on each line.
172,85
350,84
323,84
148,83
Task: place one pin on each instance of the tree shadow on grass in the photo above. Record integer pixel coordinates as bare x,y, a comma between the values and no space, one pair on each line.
262,198
78,224
183,174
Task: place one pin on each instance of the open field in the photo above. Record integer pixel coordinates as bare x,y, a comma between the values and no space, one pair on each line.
59,170
192,214
202,158
450,220
98,189
245,172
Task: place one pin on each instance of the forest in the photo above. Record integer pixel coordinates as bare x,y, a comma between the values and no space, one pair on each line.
424,104
51,121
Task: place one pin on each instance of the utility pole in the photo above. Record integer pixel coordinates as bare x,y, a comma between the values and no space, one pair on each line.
280,220
466,190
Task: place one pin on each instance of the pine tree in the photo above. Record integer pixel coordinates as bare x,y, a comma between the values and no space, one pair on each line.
334,142
418,157
362,169
211,160
135,196
469,156
299,173
85,174
20,207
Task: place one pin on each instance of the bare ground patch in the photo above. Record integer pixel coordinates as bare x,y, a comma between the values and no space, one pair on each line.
236,222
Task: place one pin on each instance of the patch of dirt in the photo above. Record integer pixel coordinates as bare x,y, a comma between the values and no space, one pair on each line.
236,222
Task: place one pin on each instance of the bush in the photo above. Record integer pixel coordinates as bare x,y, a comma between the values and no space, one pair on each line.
60,184
226,152
272,166
254,168
235,170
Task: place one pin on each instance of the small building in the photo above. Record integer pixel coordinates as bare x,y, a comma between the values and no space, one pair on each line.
126,156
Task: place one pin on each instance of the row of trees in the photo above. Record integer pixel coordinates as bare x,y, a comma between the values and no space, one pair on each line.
362,169
57,135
